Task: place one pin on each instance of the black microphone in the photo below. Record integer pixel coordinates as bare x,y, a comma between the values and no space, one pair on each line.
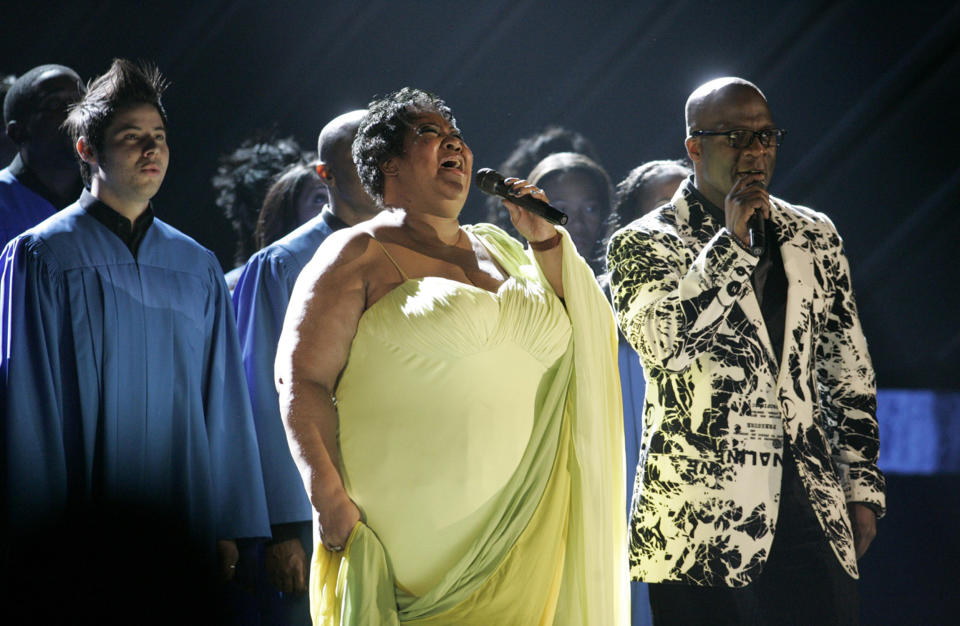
757,233
491,182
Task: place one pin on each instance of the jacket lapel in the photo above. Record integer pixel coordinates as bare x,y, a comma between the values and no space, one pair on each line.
689,214
796,253
751,308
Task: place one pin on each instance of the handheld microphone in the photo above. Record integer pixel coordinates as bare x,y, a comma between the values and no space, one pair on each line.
757,233
491,182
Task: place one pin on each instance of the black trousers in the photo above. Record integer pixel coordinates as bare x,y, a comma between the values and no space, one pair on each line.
802,581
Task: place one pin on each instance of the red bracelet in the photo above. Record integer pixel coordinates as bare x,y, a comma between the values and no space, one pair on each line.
546,244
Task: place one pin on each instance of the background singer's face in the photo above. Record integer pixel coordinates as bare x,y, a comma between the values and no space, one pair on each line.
576,194
311,200
716,162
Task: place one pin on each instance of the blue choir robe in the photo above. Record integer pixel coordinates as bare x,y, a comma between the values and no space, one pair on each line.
121,379
20,207
260,299
633,386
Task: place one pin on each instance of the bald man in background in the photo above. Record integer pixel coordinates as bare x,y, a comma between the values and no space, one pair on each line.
757,486
43,176
260,300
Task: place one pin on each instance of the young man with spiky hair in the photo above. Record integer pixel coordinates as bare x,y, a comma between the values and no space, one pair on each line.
121,382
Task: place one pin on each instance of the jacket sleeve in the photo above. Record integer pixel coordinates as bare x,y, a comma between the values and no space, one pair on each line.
847,386
670,303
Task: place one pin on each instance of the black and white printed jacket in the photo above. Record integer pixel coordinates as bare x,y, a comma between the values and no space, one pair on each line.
718,406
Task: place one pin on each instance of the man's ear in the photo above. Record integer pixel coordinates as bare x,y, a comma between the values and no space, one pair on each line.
85,150
389,168
693,148
15,132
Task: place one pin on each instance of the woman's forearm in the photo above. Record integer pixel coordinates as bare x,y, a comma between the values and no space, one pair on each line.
310,418
551,264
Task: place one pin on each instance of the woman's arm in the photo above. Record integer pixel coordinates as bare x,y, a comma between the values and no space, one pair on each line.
537,230
320,324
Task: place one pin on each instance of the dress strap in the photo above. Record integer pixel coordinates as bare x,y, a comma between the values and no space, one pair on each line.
392,260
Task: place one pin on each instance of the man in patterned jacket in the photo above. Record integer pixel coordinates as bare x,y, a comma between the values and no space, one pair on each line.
757,487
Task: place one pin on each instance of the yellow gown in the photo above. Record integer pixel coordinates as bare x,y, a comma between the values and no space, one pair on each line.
481,437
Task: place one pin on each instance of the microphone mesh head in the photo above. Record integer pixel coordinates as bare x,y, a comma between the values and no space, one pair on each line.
489,181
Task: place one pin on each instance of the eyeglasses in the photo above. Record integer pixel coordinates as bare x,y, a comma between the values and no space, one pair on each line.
743,138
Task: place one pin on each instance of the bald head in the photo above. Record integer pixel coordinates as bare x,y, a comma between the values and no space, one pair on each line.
27,92
708,98
717,107
34,110
336,138
348,200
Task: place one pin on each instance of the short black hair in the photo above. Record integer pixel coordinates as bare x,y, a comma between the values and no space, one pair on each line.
19,100
531,150
631,189
380,136
564,162
125,84
243,178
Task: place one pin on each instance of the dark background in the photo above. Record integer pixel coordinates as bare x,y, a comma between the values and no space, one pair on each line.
867,90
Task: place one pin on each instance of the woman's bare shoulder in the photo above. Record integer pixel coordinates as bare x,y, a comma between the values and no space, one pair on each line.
348,249
351,260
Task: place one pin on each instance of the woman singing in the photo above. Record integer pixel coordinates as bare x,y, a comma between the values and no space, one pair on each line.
451,400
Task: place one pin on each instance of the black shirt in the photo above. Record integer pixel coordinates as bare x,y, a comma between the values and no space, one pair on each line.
331,220
131,234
